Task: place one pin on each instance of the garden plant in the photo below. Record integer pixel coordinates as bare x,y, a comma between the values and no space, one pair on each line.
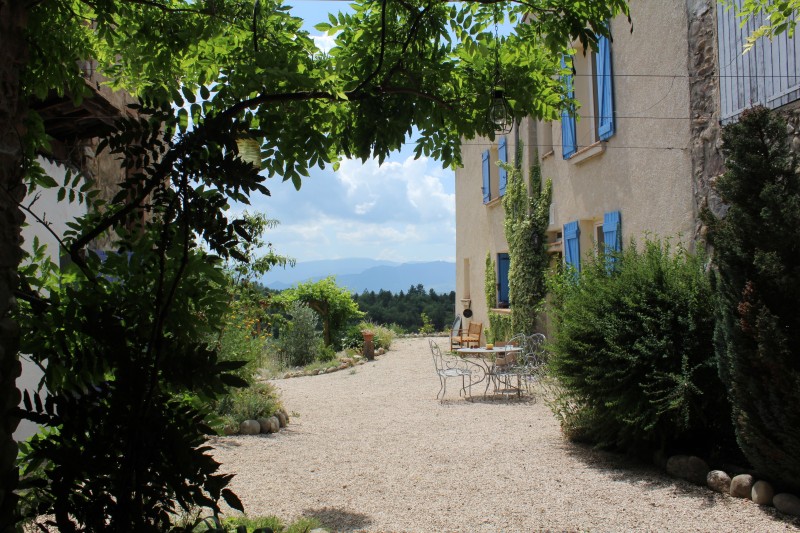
633,354
757,286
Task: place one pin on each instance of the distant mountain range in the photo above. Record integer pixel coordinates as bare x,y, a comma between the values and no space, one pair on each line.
361,275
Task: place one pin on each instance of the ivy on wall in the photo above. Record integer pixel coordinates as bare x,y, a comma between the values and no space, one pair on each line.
499,327
527,216
490,282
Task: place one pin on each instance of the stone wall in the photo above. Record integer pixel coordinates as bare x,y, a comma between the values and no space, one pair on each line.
793,129
707,161
704,108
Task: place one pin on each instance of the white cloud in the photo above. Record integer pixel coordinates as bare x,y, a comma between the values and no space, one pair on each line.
324,42
402,211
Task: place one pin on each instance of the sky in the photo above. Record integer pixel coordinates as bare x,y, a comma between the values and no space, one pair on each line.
403,210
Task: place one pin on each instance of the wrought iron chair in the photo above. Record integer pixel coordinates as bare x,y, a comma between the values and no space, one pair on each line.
448,367
532,363
504,372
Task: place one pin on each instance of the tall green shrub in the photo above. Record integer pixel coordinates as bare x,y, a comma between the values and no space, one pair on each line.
299,341
490,282
633,352
526,219
757,254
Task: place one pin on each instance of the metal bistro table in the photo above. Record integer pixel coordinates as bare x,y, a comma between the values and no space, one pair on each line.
484,359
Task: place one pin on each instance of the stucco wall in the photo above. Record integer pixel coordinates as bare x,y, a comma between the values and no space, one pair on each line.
479,227
56,214
644,170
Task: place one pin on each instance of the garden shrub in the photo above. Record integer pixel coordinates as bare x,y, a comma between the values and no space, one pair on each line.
384,336
757,283
427,326
250,403
242,340
633,353
333,303
300,341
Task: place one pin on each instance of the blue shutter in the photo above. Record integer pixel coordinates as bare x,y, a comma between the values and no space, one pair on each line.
572,248
503,266
569,142
502,155
612,231
605,93
612,237
487,191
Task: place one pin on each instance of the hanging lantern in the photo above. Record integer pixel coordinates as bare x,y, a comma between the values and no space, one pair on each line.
249,151
500,116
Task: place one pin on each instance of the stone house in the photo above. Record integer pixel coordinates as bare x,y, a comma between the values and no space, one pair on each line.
73,130
641,155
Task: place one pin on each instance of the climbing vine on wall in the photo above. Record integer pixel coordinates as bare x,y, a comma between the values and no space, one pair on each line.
490,282
526,218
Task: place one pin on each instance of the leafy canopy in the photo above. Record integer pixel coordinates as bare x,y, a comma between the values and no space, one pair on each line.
422,63
129,380
779,15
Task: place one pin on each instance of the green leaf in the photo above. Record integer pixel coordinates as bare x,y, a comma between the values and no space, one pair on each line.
188,94
232,500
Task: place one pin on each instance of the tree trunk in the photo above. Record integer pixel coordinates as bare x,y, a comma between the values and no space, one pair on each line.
13,53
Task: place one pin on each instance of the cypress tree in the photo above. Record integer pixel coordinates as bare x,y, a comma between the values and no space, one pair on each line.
757,286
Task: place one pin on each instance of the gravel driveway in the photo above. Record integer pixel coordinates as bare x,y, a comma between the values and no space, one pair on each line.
371,449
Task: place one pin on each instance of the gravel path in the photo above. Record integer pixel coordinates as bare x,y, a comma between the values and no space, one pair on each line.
371,449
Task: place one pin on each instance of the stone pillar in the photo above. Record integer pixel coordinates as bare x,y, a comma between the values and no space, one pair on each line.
13,18
704,105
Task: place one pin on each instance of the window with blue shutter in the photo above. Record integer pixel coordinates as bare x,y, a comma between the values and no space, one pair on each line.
569,141
502,155
503,266
612,231
572,248
605,93
612,237
487,191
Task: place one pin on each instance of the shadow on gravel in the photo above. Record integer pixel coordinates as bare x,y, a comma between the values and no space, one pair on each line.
501,400
780,517
339,519
623,468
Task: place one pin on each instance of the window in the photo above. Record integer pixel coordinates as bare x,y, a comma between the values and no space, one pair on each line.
591,84
572,247
498,189
599,239
487,190
503,266
768,74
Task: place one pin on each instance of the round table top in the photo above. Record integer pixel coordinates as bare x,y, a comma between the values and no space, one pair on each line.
496,349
